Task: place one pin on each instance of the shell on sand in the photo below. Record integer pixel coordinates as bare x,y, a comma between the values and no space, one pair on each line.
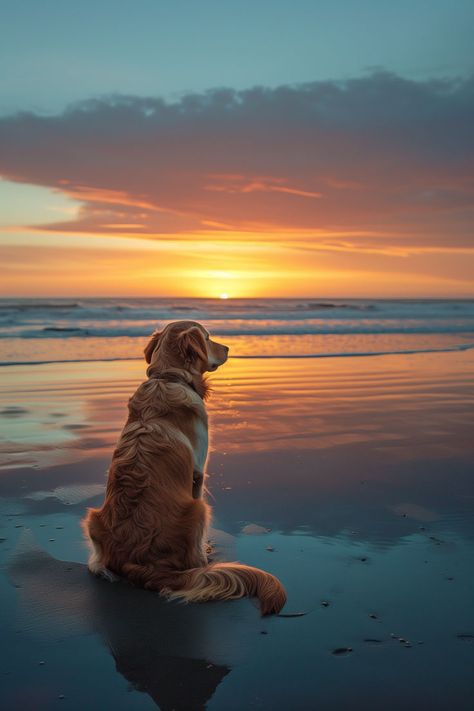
253,529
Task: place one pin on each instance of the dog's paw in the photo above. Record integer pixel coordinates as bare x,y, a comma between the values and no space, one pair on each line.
104,573
109,576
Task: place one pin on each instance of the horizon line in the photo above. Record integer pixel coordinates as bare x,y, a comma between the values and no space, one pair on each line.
249,298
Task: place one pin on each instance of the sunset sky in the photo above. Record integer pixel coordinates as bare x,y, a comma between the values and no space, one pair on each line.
271,148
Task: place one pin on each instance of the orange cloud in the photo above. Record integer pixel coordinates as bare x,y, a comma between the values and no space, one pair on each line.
377,154
241,184
338,188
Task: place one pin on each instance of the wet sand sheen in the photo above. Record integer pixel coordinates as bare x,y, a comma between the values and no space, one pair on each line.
352,481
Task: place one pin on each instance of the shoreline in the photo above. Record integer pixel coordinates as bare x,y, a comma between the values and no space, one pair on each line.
356,354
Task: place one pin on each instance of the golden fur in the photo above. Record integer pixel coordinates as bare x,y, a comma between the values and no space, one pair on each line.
152,527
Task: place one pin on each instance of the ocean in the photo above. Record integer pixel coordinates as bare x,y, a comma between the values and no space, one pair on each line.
52,330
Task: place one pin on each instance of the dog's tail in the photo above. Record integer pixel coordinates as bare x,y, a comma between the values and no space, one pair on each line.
218,581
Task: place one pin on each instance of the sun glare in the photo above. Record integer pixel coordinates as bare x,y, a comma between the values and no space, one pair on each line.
224,296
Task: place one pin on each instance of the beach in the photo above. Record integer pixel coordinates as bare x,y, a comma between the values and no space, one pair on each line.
349,478
343,469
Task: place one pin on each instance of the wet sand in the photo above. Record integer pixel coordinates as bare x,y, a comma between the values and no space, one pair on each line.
349,478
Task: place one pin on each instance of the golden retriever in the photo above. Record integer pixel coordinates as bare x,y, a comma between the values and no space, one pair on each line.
152,527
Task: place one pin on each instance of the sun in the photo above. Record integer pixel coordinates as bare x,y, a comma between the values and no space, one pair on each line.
223,296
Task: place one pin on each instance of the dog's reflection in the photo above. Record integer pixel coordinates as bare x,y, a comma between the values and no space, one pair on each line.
178,654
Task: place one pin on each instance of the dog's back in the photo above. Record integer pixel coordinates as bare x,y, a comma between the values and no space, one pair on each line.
149,504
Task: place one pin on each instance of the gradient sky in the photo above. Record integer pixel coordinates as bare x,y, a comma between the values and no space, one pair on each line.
273,148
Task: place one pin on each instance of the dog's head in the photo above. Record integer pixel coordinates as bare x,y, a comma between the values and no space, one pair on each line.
187,345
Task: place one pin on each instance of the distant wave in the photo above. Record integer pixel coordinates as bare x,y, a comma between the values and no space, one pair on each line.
175,305
353,354
287,328
60,330
132,318
26,306
329,305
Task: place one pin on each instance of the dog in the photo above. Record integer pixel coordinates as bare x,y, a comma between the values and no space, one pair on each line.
152,527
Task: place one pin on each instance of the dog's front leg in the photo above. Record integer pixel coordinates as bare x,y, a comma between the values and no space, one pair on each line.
198,483
197,523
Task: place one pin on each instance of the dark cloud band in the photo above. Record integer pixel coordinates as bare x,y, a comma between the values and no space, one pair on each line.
378,155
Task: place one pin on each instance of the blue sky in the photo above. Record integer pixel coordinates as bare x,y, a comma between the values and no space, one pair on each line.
53,52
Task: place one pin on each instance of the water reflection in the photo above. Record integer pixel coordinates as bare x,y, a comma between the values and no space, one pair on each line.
361,468
420,402
174,653
329,444
223,656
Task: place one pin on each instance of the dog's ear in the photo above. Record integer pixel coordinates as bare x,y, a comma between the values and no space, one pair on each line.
192,346
152,345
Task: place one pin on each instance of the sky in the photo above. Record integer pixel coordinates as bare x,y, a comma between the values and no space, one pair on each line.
254,149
